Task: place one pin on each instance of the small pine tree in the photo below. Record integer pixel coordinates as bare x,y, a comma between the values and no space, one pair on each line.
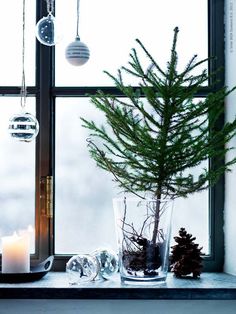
160,132
186,256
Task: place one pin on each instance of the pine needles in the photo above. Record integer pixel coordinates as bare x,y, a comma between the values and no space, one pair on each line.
158,133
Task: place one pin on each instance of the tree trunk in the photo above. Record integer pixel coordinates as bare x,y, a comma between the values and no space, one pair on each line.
156,221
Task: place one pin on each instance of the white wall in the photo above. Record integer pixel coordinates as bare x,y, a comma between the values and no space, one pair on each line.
115,307
230,181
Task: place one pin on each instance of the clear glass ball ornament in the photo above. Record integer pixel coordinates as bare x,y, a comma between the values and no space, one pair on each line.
81,268
77,53
23,127
47,30
108,262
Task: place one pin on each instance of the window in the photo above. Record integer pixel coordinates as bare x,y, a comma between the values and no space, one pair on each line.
82,217
18,160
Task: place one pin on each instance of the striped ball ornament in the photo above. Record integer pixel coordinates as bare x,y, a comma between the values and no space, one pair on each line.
77,53
23,127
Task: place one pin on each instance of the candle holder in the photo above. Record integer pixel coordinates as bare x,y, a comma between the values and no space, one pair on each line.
36,272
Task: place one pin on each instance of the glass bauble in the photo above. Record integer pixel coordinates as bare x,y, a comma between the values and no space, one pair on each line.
77,53
108,262
46,30
23,127
81,268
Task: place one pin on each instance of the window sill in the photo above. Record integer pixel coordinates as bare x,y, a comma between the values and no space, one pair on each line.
211,286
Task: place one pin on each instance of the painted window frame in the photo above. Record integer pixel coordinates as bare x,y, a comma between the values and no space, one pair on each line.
46,93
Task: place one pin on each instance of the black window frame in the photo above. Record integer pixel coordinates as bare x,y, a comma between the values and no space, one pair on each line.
46,93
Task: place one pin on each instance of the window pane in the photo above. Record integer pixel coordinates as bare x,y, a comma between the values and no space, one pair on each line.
109,29
192,214
83,196
17,173
84,216
11,39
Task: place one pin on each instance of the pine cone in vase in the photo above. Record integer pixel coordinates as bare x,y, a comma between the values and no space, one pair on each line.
186,256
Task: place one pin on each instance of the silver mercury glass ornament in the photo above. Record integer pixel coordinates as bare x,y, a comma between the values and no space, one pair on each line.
81,268
108,262
77,53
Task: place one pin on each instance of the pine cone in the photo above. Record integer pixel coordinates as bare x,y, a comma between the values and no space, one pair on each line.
186,256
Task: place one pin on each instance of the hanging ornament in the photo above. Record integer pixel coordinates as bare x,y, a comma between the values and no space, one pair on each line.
77,53
46,28
23,126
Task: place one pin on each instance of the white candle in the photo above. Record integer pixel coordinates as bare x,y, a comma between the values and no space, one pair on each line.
15,254
30,232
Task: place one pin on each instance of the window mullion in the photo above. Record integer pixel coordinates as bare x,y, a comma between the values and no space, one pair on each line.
216,193
45,108
15,91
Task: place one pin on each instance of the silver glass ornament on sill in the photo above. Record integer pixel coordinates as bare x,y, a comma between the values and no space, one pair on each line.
81,268
108,262
77,53
23,127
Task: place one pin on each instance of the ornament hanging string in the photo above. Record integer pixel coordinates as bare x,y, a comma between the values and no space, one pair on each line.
50,6
23,91
77,26
23,126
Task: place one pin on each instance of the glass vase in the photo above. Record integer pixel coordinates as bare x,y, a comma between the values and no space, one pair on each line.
143,234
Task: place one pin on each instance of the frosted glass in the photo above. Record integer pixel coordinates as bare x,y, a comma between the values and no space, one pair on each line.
17,173
83,196
192,213
84,217
109,29
11,42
